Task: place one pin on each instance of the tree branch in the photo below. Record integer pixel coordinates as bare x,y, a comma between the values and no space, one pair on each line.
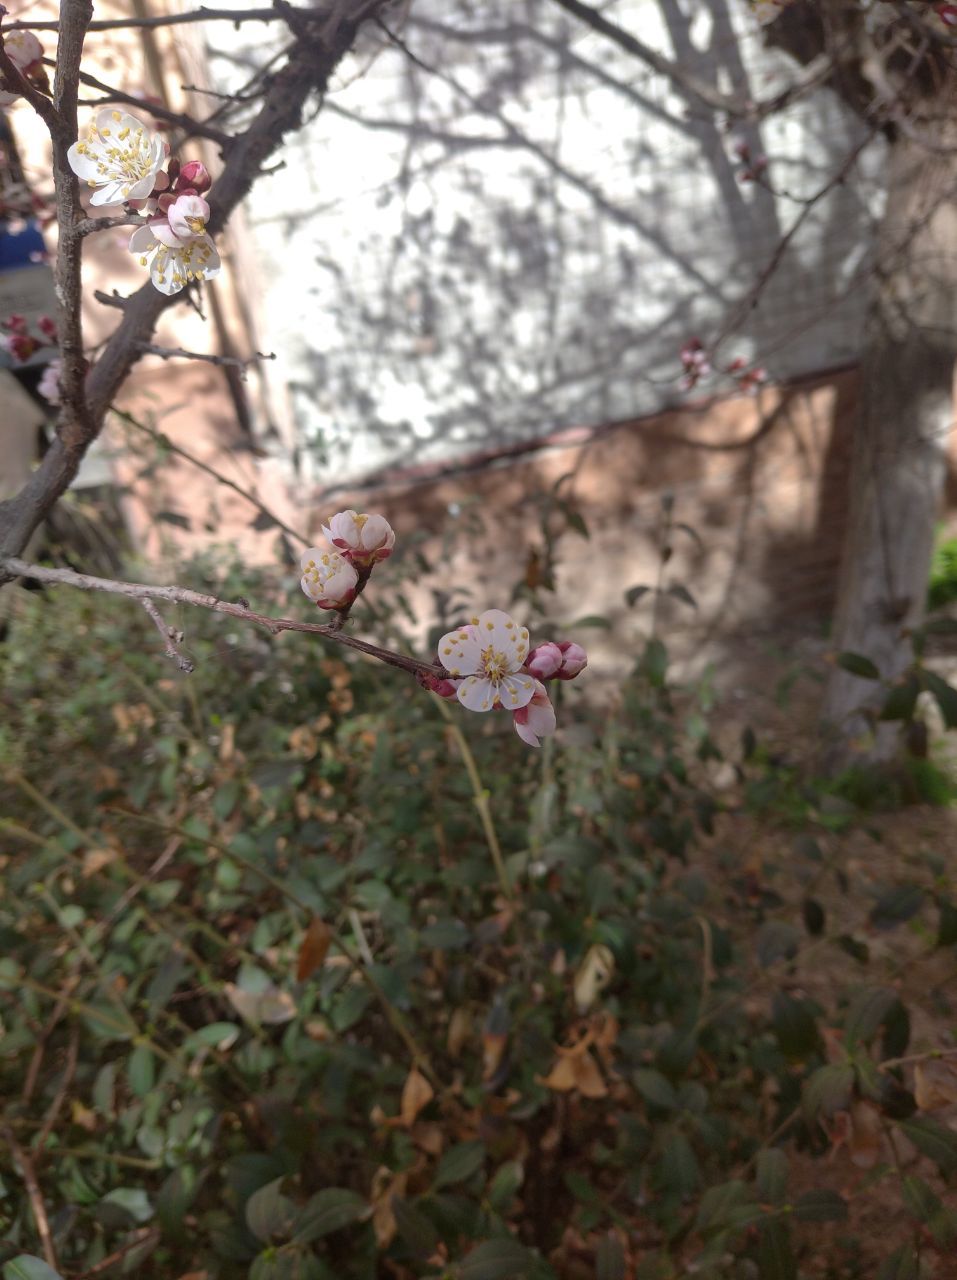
310,64
203,14
141,591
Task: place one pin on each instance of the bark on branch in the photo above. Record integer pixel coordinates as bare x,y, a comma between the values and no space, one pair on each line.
311,62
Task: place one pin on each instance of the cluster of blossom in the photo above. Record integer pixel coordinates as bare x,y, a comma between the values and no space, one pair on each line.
947,14
753,167
333,579
127,164
26,53
696,364
487,664
20,344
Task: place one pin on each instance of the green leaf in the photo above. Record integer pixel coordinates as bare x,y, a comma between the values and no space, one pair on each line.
896,905
771,1175
417,1231
933,1140
503,1259
591,620
678,1167
634,594
459,1163
717,1202
269,1213
327,1211
507,1181
445,935
813,915
947,923
654,662
175,1197
945,696
141,1070
775,1255
610,1261
828,1090
215,1035
794,1025
903,1264
920,1200
902,699
866,1012
655,1088
678,592
777,940
821,1205
858,665
26,1267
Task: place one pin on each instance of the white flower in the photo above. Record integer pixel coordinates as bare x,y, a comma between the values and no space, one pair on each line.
489,653
49,384
175,263
188,216
537,720
328,579
120,157
364,539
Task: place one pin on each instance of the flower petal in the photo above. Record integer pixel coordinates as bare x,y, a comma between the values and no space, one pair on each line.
476,693
516,691
460,653
501,631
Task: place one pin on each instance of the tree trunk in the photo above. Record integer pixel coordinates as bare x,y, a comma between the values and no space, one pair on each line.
900,447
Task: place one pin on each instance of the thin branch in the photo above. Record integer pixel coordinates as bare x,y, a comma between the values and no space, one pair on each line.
87,226
686,82
191,458
139,1237
16,82
236,16
28,1173
180,353
190,126
53,1111
308,69
198,599
169,637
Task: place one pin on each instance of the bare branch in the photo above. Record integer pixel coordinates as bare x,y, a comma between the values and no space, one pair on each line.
170,636
190,126
14,567
28,1173
230,362
167,443
203,14
307,71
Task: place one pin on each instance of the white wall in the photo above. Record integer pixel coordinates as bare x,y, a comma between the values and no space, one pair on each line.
523,241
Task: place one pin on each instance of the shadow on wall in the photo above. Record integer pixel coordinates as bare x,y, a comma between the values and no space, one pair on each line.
758,486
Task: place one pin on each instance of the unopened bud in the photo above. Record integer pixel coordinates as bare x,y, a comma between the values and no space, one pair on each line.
544,661
574,660
194,174
47,326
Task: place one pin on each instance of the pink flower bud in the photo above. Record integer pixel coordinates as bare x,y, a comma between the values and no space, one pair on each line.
47,326
544,661
947,14
21,346
438,684
194,174
14,323
574,660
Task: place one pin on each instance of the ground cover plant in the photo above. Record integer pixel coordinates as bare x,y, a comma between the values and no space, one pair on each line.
299,980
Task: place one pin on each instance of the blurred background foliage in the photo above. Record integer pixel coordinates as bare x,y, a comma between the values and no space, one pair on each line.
306,974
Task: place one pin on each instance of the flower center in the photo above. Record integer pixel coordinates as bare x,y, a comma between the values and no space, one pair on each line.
196,225
494,664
